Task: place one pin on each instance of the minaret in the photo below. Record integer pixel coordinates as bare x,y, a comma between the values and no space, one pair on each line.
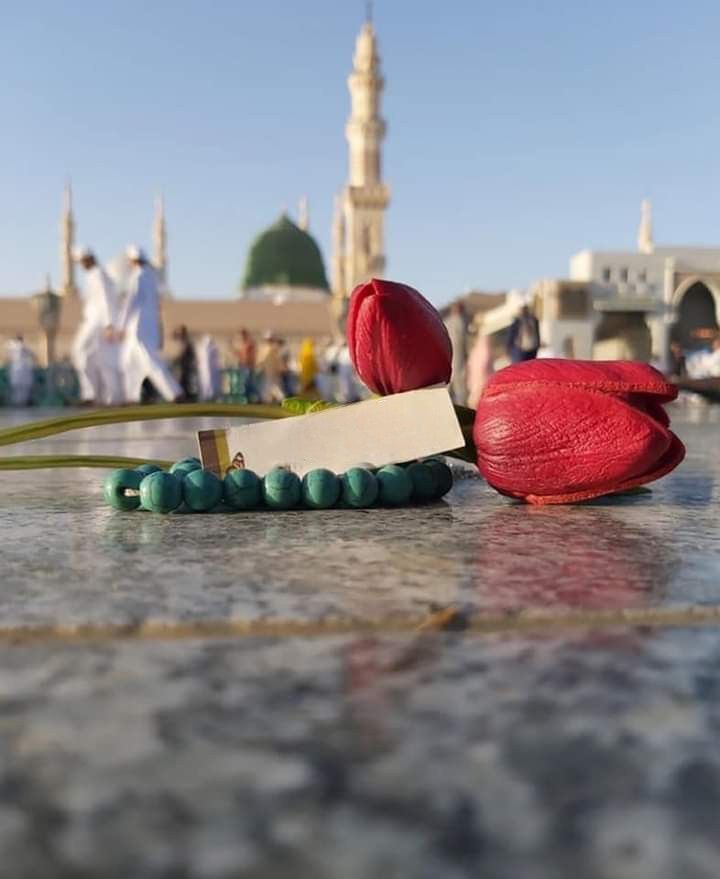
645,230
304,214
159,237
67,242
338,251
365,197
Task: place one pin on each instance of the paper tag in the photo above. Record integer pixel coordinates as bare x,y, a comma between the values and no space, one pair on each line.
387,430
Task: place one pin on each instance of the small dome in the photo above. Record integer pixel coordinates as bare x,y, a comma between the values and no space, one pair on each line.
284,255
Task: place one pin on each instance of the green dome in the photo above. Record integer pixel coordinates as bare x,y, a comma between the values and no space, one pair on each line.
284,255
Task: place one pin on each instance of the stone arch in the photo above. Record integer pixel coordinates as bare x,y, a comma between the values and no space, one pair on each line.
697,307
689,282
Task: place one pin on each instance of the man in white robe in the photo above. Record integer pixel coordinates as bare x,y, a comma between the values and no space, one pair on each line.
94,350
20,362
139,325
208,368
350,390
457,327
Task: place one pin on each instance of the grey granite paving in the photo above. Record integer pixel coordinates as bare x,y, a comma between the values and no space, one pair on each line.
589,753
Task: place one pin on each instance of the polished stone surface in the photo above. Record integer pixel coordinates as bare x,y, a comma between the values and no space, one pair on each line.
566,751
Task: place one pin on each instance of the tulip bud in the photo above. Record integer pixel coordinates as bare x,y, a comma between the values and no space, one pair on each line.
397,340
561,431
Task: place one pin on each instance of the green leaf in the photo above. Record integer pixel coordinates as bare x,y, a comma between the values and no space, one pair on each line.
319,405
302,406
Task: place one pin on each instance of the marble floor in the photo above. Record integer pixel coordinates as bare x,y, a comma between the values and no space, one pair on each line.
575,735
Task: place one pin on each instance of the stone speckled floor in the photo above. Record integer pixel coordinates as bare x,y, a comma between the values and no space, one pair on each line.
586,752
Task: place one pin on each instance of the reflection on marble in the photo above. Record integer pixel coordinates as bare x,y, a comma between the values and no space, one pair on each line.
453,755
585,558
68,557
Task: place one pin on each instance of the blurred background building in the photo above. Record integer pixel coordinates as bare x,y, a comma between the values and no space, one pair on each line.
625,305
284,288
612,304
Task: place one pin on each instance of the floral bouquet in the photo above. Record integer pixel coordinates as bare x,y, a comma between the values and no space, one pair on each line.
545,431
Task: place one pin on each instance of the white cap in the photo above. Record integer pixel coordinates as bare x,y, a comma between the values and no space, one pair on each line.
134,253
81,253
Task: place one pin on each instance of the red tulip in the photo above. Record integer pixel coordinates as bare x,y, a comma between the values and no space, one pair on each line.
397,340
560,431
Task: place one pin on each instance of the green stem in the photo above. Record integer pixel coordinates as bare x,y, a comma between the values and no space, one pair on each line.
22,433
97,418
51,462
120,415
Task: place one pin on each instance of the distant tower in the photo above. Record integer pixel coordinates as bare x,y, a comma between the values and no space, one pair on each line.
645,230
359,235
304,214
338,251
67,242
159,237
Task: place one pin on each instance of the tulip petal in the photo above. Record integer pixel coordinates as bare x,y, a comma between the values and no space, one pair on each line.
397,340
674,455
611,376
648,405
549,445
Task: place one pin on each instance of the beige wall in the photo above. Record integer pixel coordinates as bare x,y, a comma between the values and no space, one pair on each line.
220,318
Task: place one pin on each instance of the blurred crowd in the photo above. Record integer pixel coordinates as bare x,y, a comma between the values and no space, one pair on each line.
697,364
117,358
116,353
475,358
275,372
267,368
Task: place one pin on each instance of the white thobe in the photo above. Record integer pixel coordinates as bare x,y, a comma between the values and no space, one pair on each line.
323,378
94,358
348,388
208,368
457,330
20,372
140,323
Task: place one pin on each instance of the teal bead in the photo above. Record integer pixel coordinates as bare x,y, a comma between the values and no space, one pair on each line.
320,489
161,492
395,485
359,487
147,469
423,482
181,468
201,490
281,489
114,487
442,477
242,489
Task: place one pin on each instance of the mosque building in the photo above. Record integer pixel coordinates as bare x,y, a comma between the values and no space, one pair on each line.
285,264
285,288
613,303
625,305
358,228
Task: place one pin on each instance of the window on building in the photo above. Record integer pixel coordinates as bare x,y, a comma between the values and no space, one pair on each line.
623,274
642,276
606,274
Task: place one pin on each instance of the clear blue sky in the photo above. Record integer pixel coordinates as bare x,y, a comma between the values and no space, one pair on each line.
519,132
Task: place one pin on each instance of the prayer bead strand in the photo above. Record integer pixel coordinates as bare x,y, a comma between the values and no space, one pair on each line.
186,487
